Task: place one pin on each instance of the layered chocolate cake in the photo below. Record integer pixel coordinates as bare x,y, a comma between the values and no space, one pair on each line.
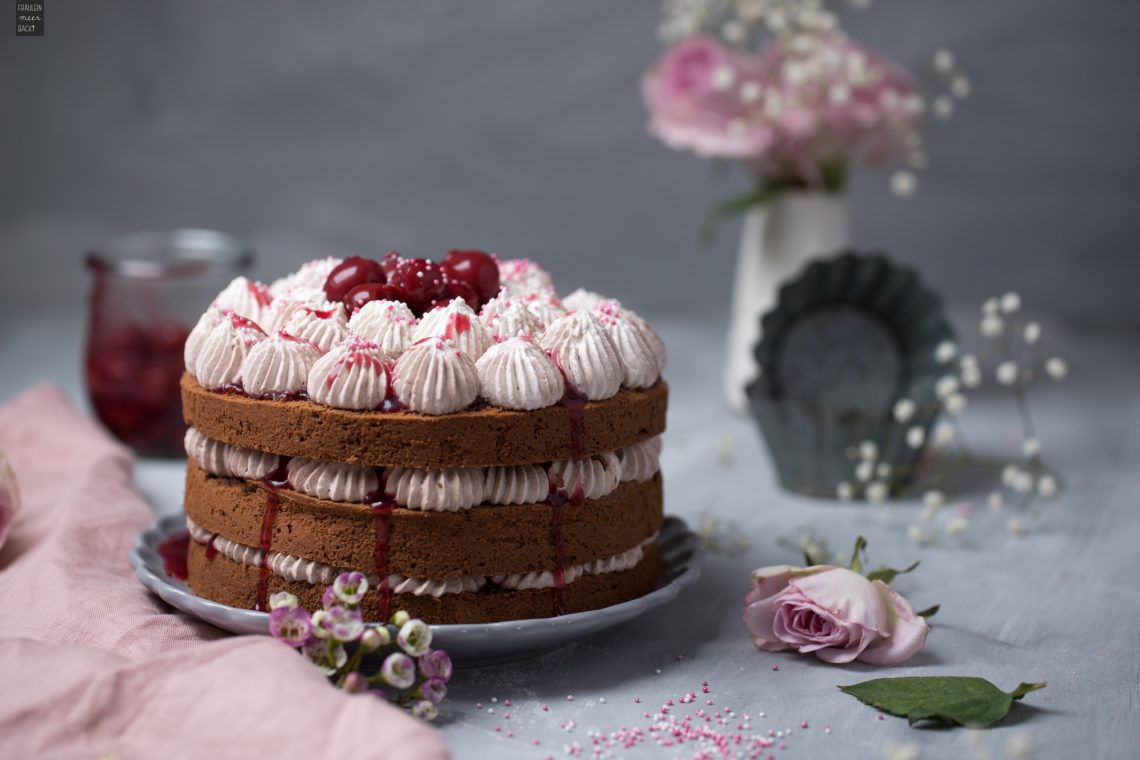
480,448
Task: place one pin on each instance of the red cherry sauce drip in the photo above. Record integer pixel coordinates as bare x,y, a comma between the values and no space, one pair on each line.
558,498
382,504
173,551
392,402
457,324
272,483
211,548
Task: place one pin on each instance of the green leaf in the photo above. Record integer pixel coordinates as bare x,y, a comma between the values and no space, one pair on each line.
941,700
734,207
856,561
888,574
929,611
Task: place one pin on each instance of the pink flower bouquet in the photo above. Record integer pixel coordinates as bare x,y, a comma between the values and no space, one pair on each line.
796,112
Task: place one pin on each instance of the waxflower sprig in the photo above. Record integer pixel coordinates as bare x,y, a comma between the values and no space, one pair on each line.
839,614
1016,364
412,674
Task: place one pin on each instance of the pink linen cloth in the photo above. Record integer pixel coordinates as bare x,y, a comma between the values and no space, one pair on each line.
94,666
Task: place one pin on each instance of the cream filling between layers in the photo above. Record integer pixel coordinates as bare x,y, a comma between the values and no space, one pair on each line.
441,490
297,569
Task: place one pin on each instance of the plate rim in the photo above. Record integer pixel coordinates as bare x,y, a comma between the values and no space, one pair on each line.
674,537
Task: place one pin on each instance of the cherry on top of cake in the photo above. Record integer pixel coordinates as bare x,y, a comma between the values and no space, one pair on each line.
422,284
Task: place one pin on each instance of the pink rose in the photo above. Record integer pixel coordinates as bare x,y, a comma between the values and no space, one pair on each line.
834,612
692,94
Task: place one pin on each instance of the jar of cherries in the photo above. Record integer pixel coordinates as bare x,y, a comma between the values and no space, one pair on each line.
148,288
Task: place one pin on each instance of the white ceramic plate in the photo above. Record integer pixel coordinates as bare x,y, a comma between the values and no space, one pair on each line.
467,644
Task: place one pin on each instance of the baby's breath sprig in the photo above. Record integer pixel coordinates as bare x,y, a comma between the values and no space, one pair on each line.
412,674
1013,345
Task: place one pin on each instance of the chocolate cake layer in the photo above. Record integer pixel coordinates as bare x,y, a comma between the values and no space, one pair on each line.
484,540
229,582
485,437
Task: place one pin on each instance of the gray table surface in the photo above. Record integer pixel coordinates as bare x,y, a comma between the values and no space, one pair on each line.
1059,604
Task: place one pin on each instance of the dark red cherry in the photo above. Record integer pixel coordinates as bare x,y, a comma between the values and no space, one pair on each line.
419,280
460,289
477,269
349,273
371,291
389,261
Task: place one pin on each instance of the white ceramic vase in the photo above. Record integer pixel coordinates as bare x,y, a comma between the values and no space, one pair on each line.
777,240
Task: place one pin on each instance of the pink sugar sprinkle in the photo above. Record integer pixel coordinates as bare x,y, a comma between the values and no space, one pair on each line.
478,705
775,668
569,697
498,728
507,716
708,701
506,703
536,742
781,745
637,700
804,724
546,708
827,729
880,716
510,734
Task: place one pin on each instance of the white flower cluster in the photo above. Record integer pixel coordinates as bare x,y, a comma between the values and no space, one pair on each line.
801,23
1027,477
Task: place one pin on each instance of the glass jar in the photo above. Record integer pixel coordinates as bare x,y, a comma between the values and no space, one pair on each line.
147,292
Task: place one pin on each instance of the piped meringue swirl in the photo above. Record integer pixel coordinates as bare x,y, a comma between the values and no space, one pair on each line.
224,349
353,375
517,374
297,569
322,323
250,463
580,346
245,298
588,478
208,454
522,277
435,377
507,318
311,276
278,366
524,484
455,322
641,350
192,349
582,300
641,461
335,481
446,490
388,324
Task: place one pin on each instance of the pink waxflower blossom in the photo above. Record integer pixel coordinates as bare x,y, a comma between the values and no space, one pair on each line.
398,670
433,690
436,663
350,588
833,612
340,624
291,625
692,96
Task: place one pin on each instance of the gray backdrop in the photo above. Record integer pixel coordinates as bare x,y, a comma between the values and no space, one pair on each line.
334,127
